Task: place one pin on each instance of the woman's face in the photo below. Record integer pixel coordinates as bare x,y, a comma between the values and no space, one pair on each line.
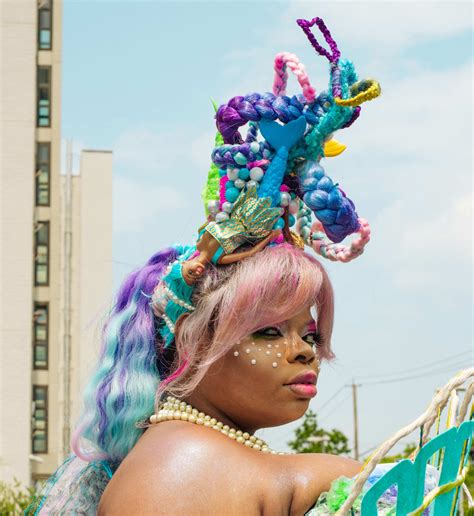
268,378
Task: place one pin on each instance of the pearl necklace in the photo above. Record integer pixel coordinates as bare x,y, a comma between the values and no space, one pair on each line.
173,408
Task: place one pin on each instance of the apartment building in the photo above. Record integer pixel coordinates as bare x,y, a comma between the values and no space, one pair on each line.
55,248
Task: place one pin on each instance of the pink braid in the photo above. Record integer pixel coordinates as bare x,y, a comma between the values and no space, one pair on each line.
284,60
337,252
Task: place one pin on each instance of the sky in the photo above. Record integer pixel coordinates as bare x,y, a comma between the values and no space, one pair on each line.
138,78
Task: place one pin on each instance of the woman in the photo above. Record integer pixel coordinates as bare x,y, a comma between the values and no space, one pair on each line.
253,352
234,327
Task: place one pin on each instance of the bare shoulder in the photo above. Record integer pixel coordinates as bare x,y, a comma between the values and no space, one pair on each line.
177,468
312,473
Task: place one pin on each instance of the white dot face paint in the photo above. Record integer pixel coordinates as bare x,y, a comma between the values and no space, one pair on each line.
253,361
274,364
247,351
267,352
236,353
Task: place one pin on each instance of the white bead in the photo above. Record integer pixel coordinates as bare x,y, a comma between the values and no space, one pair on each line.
239,432
253,438
247,351
226,427
232,173
236,353
256,173
153,419
207,423
255,147
279,355
227,206
253,361
239,183
213,206
240,439
221,216
274,364
285,198
232,435
199,421
213,421
269,345
184,416
248,443
192,419
252,183
256,447
219,424
267,352
245,435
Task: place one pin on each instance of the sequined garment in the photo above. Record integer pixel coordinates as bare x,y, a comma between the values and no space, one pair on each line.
252,219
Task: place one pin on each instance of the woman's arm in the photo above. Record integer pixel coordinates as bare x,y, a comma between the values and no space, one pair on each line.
310,474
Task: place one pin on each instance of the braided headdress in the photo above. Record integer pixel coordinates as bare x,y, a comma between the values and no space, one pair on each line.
268,184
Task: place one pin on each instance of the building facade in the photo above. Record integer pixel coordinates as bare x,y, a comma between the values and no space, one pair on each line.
52,230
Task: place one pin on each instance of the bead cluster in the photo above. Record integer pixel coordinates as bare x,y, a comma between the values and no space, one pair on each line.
174,409
253,361
178,300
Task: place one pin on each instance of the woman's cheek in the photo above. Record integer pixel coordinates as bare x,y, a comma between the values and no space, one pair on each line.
260,355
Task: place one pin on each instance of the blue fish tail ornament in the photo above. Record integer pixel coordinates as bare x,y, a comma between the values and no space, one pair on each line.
281,138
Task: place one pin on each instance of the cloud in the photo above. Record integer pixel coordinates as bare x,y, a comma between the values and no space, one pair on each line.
139,203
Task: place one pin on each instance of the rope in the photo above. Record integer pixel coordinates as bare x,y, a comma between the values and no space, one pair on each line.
426,419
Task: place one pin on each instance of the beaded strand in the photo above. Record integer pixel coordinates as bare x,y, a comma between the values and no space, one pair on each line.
176,409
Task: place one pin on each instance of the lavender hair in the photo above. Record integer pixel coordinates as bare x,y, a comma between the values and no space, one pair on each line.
231,301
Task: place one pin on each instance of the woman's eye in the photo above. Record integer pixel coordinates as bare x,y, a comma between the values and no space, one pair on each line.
314,339
271,331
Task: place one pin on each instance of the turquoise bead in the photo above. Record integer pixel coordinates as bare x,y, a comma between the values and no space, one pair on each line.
279,224
291,220
240,159
229,184
244,173
231,194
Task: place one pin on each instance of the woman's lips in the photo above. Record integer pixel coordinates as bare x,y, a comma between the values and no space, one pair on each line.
303,390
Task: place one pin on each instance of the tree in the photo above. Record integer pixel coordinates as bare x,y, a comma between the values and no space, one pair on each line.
311,438
14,499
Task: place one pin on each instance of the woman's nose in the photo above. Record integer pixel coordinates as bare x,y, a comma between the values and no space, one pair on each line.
297,350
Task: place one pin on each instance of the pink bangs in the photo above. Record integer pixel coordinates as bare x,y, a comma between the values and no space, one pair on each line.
272,287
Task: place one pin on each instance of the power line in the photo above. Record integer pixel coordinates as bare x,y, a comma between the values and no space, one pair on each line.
348,395
331,398
425,366
415,377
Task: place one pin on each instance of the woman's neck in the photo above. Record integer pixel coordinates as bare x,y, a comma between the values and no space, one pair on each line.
204,405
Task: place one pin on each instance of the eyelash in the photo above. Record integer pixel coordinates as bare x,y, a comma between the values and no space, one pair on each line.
317,337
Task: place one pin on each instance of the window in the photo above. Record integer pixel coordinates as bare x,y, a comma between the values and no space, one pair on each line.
40,336
39,423
44,24
44,96
42,253
42,176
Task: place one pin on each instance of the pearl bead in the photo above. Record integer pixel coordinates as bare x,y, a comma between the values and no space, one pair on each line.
239,183
285,198
269,345
267,352
221,216
251,184
274,364
279,355
180,410
247,351
256,173
253,361
236,353
213,206
232,173
227,206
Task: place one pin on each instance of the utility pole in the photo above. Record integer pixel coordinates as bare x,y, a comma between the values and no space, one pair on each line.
356,423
